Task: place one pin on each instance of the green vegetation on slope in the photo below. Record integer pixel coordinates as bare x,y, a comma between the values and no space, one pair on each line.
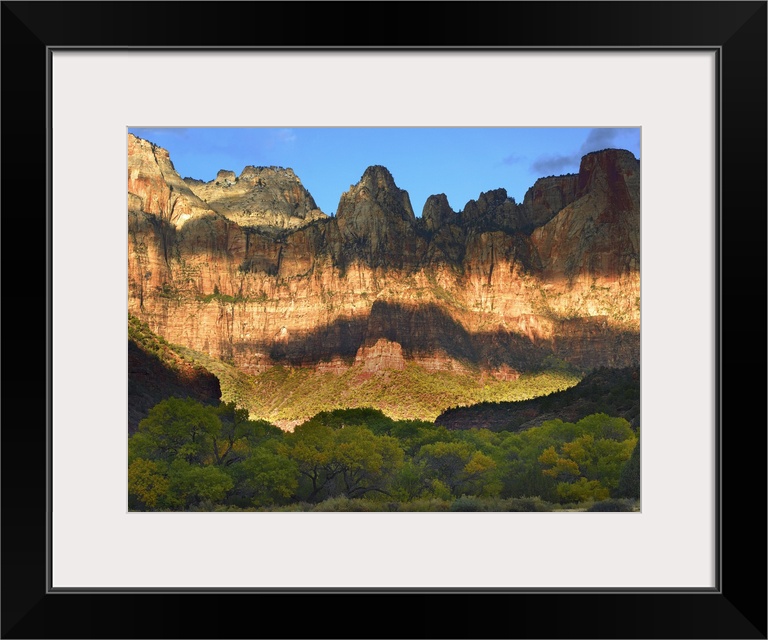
612,391
288,395
411,393
140,333
236,386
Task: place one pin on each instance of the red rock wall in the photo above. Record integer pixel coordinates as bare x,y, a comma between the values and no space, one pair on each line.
457,297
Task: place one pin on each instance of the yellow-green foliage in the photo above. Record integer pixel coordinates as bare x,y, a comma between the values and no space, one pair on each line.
150,342
412,393
576,462
286,394
147,483
236,386
189,456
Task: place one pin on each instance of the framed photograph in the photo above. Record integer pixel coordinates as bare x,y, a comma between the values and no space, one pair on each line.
86,543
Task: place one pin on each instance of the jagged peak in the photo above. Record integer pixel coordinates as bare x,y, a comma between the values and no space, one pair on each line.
496,196
491,198
437,199
377,170
377,177
376,186
226,174
252,171
437,211
141,143
133,137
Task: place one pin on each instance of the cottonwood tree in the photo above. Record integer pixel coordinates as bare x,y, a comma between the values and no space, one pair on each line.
457,465
589,466
177,428
185,452
349,461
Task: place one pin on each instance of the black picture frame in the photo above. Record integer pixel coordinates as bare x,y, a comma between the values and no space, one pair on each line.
736,608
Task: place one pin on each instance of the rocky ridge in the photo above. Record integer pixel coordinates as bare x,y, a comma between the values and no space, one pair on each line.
497,287
266,198
154,186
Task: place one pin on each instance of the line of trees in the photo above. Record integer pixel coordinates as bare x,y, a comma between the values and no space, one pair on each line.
187,455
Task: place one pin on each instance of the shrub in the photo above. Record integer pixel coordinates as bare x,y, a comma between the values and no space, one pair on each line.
528,503
296,506
425,504
629,480
468,503
341,503
613,504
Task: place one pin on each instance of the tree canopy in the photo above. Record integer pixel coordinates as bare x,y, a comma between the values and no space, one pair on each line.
187,455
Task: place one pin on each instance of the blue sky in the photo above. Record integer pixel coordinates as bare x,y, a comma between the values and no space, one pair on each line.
460,162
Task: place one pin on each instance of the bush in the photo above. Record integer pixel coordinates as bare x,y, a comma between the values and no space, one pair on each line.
296,506
468,503
629,480
614,505
341,503
425,504
528,503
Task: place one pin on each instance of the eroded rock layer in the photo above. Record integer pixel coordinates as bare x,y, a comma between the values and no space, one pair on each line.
499,287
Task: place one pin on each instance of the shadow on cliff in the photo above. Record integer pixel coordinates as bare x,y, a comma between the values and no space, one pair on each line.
428,331
151,380
615,392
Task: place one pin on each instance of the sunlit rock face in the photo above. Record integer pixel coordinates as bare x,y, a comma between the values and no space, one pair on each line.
257,276
380,356
154,186
266,198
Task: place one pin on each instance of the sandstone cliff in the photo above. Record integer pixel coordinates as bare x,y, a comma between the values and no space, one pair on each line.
156,188
598,233
547,197
495,288
375,224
